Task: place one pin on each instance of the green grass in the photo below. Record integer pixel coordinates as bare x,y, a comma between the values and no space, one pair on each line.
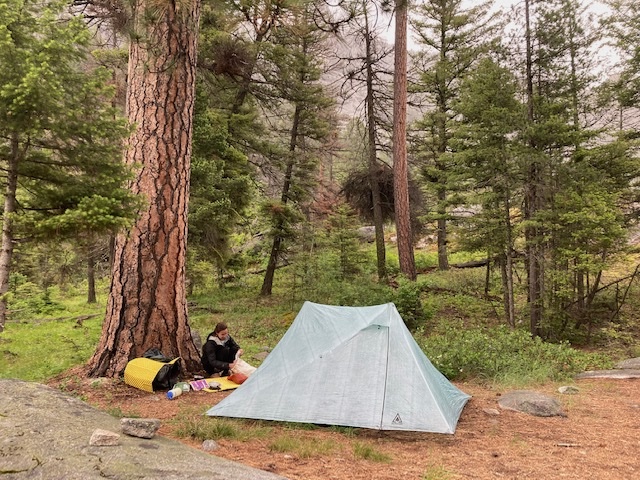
196,425
38,351
437,472
365,451
301,446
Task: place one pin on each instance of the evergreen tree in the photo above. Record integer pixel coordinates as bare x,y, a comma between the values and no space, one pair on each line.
220,186
147,305
299,57
623,25
399,145
487,151
453,39
559,150
61,142
366,70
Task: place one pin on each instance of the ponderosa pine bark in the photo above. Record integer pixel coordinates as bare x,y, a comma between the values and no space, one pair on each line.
400,168
147,301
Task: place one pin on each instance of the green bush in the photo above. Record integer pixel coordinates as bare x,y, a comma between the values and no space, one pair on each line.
503,355
409,305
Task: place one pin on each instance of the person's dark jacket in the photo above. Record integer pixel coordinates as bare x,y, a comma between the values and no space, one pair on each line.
216,356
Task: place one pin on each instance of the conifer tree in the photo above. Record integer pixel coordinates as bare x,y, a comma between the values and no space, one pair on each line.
298,57
147,305
60,145
366,70
452,38
399,145
487,151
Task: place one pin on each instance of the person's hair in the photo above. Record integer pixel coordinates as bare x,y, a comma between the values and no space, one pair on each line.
220,326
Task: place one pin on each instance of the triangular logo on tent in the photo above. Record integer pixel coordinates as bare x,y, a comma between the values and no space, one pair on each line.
397,420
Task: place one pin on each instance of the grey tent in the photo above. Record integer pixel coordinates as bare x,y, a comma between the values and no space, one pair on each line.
351,366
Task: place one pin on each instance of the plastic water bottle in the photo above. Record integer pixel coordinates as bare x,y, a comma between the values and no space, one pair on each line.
184,386
173,393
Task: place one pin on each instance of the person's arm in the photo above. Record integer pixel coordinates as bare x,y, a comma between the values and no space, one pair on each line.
210,353
234,348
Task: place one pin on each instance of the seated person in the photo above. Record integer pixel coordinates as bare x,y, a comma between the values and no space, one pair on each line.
220,351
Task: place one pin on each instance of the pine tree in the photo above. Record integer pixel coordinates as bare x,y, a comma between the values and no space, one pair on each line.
61,142
399,145
487,151
453,39
298,57
147,305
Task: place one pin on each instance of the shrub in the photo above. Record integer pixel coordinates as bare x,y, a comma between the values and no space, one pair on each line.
504,355
409,305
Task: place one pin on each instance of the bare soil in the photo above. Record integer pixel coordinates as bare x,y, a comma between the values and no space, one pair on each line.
598,439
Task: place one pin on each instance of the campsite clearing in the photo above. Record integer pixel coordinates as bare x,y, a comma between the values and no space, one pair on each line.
599,438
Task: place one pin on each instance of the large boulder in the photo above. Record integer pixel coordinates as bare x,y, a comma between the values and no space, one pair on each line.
48,435
533,403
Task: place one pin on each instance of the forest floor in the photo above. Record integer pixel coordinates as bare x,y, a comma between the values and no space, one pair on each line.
598,439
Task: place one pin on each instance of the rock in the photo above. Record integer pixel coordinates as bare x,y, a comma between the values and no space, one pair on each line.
104,438
367,234
533,403
568,390
618,373
44,436
210,445
629,364
140,427
261,355
491,411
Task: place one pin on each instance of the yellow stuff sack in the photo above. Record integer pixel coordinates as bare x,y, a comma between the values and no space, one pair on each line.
151,375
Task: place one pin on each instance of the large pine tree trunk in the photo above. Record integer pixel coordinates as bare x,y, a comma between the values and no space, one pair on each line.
400,168
147,302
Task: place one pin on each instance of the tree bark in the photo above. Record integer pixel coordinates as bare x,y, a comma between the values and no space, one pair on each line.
443,256
6,254
378,222
91,273
147,305
276,247
400,169
510,302
532,203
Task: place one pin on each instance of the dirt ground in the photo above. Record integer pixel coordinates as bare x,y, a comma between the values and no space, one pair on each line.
598,439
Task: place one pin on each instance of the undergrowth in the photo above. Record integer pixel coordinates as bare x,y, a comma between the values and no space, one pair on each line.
456,323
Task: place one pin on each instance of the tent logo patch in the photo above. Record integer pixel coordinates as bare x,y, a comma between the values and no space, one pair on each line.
397,420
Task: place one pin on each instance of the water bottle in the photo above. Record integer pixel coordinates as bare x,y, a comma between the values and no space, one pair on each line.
184,386
173,393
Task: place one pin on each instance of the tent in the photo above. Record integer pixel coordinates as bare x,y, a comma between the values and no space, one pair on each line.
350,366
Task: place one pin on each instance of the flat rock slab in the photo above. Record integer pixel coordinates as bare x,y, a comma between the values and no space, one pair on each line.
533,403
629,364
617,373
44,434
